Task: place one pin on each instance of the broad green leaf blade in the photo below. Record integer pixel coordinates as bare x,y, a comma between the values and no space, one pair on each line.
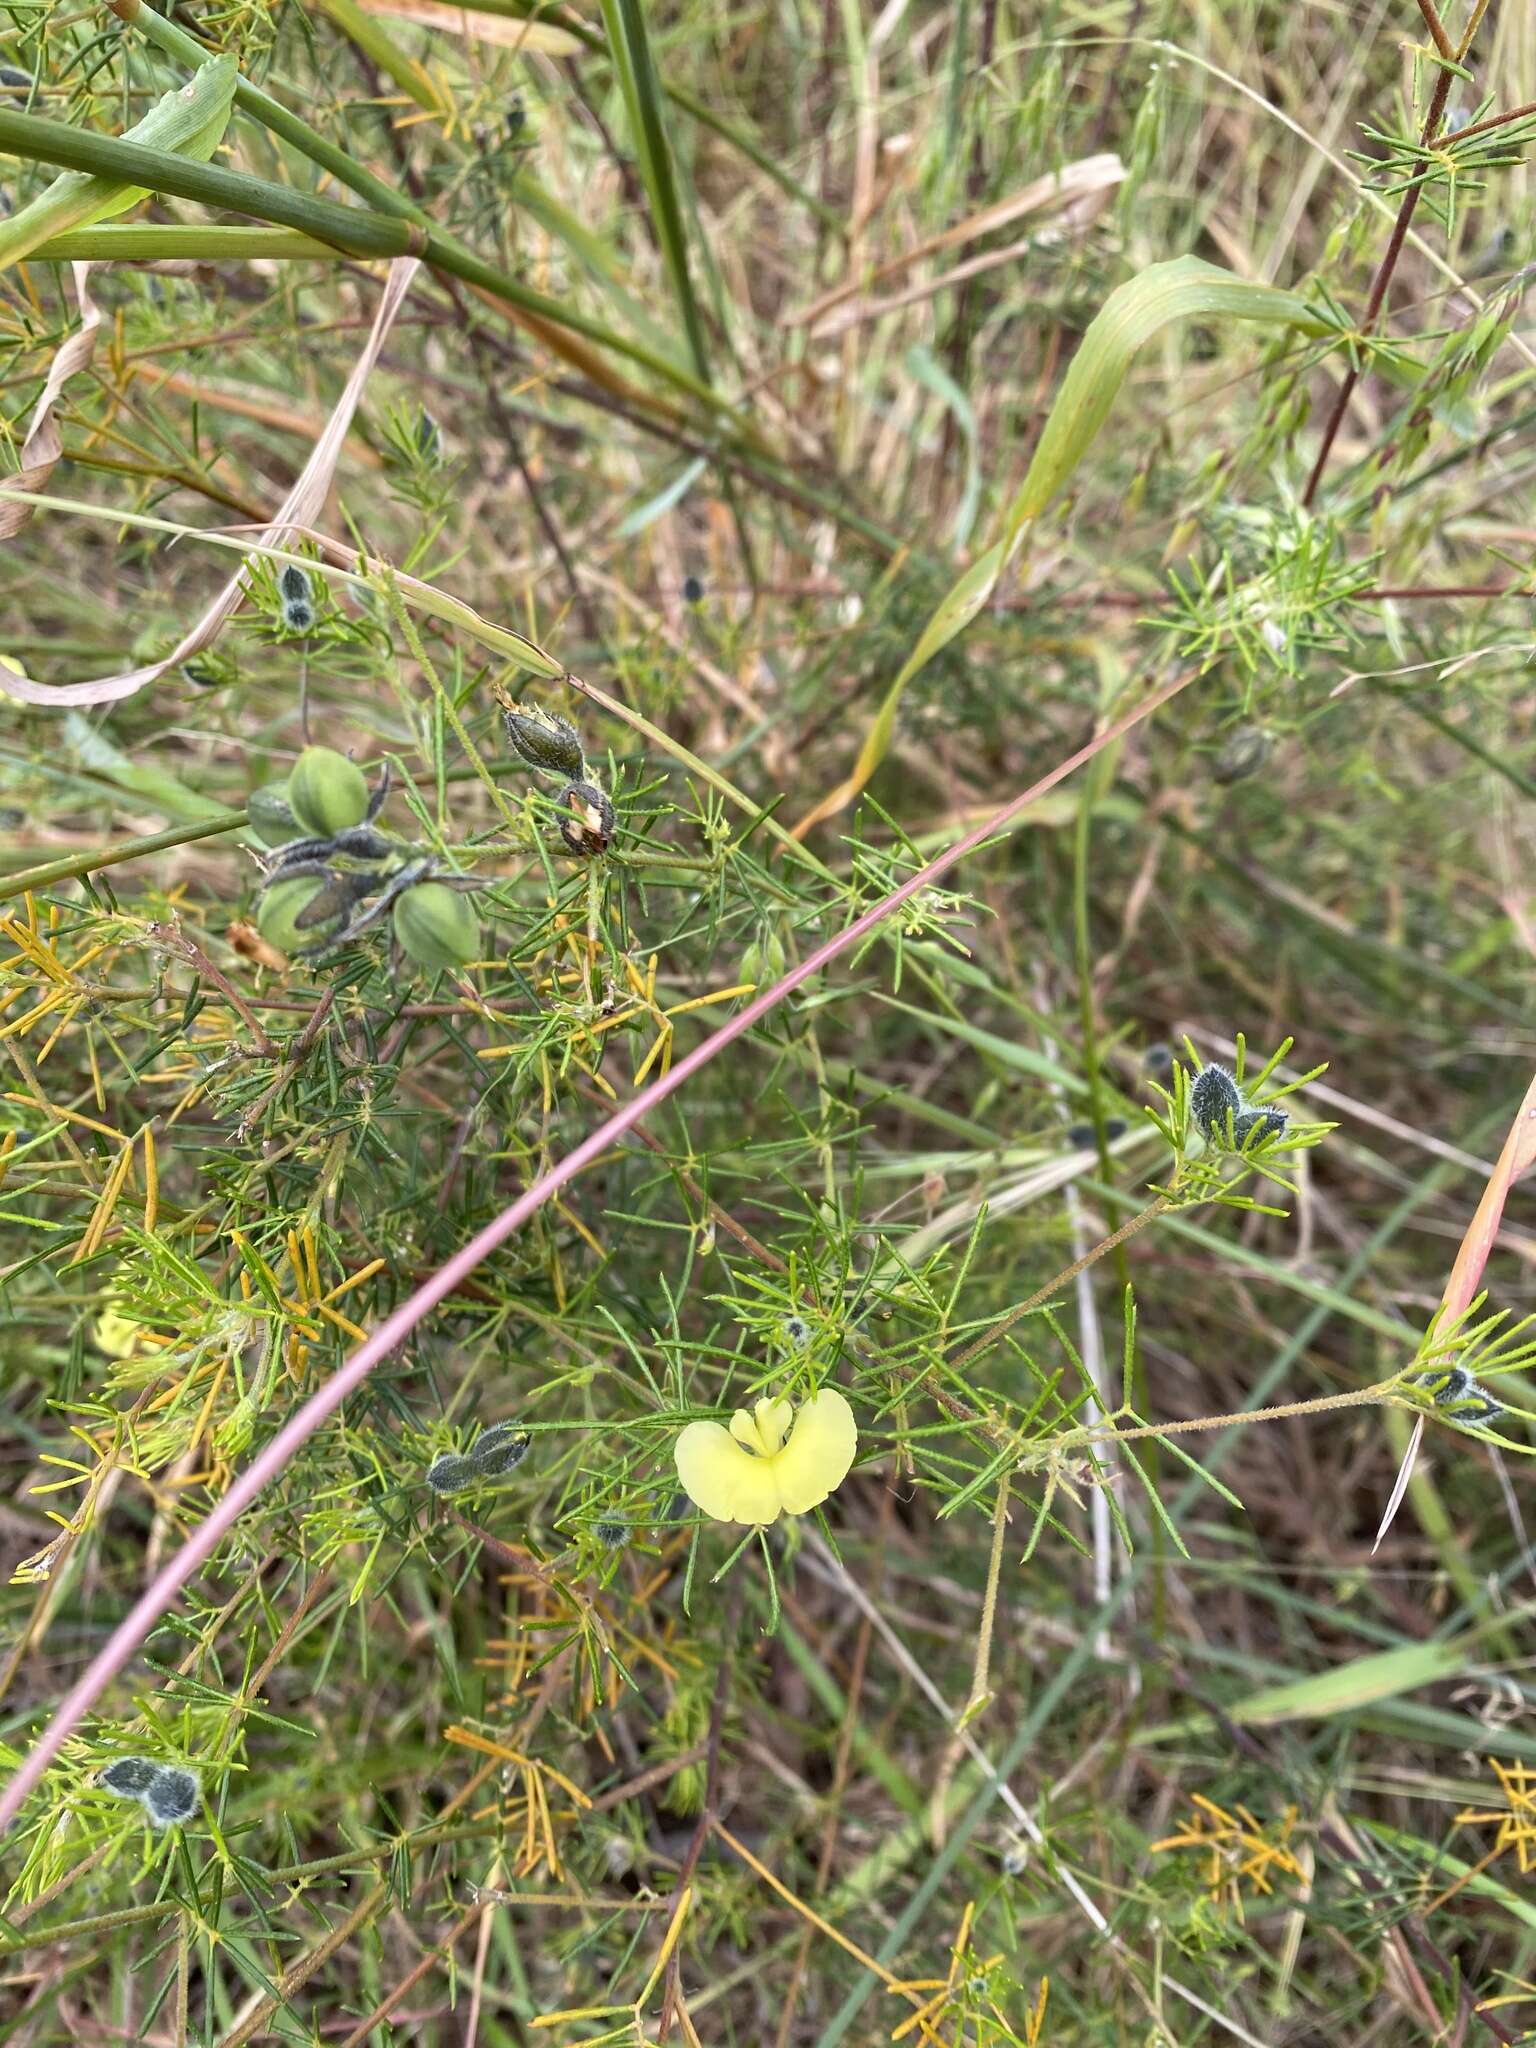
188,122
1186,288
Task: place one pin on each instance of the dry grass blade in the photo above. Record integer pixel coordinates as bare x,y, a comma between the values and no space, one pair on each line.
1091,178
537,38
297,510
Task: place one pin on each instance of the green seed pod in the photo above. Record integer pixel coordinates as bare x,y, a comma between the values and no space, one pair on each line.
436,927
327,791
763,961
1243,753
271,814
298,911
544,740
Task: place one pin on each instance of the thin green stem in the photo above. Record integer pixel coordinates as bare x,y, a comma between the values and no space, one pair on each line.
69,865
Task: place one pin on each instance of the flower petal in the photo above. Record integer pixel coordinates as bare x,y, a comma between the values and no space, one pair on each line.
820,1449
722,1479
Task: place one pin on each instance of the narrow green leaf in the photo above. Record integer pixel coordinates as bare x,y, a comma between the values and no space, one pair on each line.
629,47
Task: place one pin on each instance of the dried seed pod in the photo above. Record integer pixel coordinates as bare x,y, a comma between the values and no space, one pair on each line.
1214,1101
589,823
544,740
130,1777
272,815
328,792
436,927
172,1796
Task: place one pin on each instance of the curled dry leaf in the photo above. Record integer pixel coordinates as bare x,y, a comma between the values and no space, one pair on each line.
42,448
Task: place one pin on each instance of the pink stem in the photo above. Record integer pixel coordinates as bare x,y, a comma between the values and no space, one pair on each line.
174,1574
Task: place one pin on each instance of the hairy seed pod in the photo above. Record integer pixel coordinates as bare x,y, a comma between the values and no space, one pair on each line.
1213,1100
172,1797
544,740
1242,753
1478,1407
272,815
1445,1384
211,670
1266,1123
328,792
451,1474
612,1533
588,824
298,599
499,1450
436,927
130,1777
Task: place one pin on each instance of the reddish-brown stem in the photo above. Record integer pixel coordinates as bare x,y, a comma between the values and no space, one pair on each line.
1380,287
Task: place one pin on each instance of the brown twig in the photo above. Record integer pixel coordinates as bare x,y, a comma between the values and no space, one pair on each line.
175,940
1387,266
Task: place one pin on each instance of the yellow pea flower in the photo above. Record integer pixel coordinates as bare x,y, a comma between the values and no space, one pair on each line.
771,1461
116,1334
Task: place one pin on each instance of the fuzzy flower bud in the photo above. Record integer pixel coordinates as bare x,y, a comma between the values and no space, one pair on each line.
298,599
499,1450
1243,753
450,1474
1266,1123
129,1777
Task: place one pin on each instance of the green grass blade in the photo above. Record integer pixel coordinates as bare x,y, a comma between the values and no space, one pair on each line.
630,50
1185,289
189,121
